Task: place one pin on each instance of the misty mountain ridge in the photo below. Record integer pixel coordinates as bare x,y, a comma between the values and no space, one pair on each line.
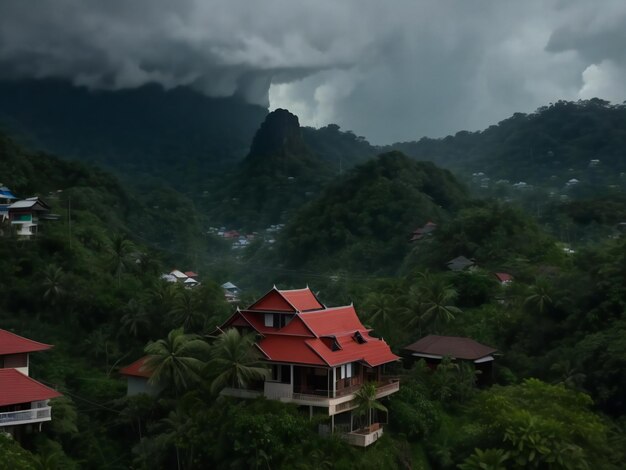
190,141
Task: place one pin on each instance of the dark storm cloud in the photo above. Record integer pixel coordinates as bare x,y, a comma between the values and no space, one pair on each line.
389,71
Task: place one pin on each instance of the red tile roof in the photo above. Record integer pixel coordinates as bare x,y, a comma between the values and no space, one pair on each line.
453,346
504,277
190,274
18,388
10,343
302,299
310,335
373,352
333,321
137,369
290,349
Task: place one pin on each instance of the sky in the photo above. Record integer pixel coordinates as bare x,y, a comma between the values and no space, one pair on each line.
390,71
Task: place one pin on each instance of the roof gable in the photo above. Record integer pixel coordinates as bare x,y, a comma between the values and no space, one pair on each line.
10,343
19,388
273,301
296,327
302,299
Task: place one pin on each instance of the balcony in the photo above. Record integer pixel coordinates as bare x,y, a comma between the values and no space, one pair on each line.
34,415
343,401
365,436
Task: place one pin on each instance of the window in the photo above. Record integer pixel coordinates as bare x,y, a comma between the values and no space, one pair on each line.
275,373
284,320
269,320
346,371
281,373
359,338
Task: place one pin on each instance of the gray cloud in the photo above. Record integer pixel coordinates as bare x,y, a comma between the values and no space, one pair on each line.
389,71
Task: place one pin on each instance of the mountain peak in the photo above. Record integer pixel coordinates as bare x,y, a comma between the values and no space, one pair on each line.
279,135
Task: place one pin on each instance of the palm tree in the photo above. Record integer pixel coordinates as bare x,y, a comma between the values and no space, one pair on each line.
161,298
53,280
177,423
539,297
379,308
437,301
177,360
186,312
366,402
120,256
136,319
235,361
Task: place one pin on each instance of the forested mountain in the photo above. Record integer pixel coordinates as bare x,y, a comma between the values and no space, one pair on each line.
178,135
279,175
363,220
550,146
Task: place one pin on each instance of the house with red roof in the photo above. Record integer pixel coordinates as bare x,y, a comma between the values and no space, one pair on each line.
319,358
138,376
504,278
23,400
422,232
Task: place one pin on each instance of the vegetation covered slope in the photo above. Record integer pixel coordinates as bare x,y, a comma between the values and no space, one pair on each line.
178,135
279,174
363,221
559,139
93,290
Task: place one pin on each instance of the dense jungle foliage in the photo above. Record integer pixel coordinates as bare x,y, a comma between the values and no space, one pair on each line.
93,288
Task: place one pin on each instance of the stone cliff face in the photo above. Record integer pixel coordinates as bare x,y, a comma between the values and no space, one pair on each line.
279,135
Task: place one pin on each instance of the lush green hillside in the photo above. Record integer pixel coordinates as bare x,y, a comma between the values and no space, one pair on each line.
178,135
557,140
92,289
363,221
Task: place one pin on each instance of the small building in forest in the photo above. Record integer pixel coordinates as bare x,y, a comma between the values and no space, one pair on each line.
504,279
433,348
23,400
460,263
319,358
423,232
24,216
137,378
231,292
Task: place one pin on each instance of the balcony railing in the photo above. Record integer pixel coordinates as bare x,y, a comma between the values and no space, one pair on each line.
34,415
